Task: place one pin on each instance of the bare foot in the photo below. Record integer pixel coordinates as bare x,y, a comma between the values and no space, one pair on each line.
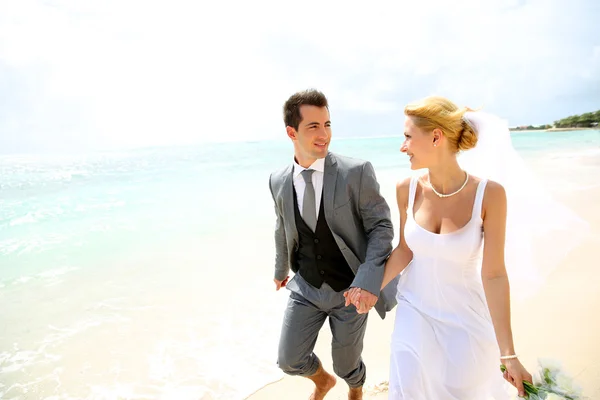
324,382
355,393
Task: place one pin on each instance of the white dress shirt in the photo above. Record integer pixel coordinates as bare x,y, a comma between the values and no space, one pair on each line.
317,180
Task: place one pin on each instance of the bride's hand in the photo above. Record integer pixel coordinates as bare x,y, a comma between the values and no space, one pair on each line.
515,374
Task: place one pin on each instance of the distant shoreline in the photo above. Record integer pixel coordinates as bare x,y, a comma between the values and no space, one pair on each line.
553,129
569,129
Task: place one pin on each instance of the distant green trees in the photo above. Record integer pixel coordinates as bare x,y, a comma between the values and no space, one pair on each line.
584,120
531,128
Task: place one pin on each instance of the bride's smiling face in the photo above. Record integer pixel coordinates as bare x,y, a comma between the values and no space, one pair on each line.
418,145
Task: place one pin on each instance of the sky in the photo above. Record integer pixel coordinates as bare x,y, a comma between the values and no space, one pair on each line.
81,74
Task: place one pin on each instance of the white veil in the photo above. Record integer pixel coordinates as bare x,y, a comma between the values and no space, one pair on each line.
540,231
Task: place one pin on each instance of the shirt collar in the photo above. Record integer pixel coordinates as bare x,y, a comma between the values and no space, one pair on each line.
318,165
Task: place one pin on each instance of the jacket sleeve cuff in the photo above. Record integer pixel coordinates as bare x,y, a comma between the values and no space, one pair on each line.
369,279
281,275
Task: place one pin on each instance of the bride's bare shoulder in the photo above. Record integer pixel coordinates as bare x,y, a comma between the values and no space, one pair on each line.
490,187
403,185
494,195
402,190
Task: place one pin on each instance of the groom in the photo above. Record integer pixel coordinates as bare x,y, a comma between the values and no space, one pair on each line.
334,231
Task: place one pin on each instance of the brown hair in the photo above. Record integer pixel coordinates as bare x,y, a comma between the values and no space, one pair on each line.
438,112
291,108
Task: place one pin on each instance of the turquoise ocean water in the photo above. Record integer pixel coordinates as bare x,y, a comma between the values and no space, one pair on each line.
146,273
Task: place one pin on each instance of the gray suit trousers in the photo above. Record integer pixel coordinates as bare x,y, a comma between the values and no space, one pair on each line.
306,312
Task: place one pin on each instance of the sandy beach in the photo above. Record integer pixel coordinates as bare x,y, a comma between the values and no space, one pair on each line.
566,129
560,322
550,129
131,290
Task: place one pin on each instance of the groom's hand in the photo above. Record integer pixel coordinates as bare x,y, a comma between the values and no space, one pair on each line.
367,301
280,284
352,296
363,300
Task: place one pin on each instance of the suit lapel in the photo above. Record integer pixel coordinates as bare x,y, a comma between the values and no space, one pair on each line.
288,201
329,179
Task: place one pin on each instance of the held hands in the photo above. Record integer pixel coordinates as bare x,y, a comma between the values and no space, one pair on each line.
515,374
362,299
280,284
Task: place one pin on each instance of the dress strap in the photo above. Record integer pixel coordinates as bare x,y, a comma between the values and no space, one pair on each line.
411,194
479,199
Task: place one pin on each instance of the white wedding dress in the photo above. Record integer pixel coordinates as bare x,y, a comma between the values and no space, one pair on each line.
443,344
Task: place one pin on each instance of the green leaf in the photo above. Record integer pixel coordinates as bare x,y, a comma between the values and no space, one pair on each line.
547,377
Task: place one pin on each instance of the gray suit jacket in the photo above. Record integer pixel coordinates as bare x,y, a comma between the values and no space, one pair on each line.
356,213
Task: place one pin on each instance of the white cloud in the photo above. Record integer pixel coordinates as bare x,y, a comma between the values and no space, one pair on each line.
133,72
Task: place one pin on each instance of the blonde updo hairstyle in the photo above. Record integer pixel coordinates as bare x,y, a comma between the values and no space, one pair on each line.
438,112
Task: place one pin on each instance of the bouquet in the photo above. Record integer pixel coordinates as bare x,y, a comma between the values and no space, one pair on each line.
550,383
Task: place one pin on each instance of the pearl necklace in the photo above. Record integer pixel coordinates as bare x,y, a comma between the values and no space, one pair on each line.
450,194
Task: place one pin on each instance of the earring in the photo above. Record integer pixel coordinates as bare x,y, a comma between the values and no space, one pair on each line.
435,144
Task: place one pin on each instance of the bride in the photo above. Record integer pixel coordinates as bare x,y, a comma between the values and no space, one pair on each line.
453,327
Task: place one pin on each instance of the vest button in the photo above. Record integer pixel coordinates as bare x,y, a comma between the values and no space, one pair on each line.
322,272
319,257
316,240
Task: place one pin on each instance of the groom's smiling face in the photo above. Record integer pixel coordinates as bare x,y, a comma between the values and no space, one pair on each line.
311,139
